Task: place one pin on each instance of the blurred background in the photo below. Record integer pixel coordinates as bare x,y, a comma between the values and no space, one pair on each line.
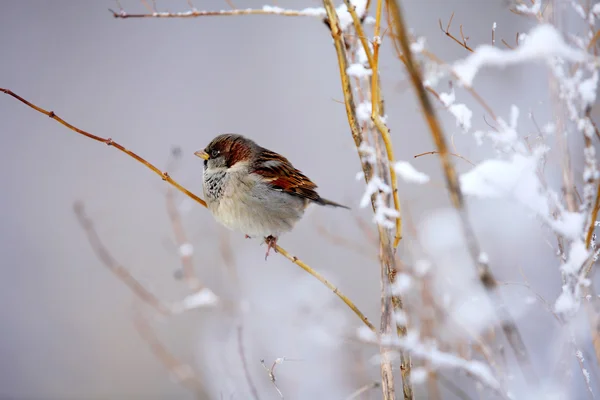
156,84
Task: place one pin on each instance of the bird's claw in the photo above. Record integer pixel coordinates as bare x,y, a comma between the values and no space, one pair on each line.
271,244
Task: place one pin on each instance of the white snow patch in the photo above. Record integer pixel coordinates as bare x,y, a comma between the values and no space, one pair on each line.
409,174
203,298
543,42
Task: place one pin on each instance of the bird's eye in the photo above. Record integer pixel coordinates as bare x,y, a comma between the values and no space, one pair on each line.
214,153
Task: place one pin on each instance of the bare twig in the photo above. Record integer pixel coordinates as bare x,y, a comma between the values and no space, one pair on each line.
437,152
108,141
325,282
184,247
242,353
113,266
446,31
363,389
271,371
181,372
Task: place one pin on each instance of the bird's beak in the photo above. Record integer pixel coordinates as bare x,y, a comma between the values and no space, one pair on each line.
202,154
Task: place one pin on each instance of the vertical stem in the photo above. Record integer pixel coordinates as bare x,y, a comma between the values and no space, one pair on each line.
485,274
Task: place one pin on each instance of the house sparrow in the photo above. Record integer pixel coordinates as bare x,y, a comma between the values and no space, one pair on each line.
254,190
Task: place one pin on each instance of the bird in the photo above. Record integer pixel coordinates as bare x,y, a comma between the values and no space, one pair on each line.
256,191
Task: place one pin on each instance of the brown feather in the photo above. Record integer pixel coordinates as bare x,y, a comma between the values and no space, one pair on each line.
281,175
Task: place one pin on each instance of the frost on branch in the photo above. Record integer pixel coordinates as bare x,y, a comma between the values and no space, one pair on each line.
383,214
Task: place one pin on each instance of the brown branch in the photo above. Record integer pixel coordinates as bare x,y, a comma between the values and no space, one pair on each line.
325,282
271,372
181,239
437,152
171,181
485,275
593,217
218,13
362,390
446,31
108,141
182,372
113,266
242,353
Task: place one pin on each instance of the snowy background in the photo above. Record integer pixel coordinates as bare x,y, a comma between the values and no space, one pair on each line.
66,323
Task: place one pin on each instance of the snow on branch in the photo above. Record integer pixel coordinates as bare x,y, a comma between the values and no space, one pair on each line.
544,42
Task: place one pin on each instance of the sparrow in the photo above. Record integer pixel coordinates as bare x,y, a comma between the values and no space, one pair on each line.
254,190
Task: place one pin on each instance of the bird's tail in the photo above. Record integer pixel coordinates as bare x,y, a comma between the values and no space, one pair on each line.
324,202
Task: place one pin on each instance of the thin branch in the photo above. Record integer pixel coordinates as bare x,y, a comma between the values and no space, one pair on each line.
363,390
171,181
113,266
271,372
325,282
266,10
437,152
108,141
446,31
593,217
183,373
485,275
242,353
184,246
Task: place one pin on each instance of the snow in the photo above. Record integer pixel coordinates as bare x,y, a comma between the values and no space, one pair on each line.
358,71
345,17
402,284
409,174
418,375
422,267
202,298
569,300
543,42
309,11
382,212
500,178
367,154
418,45
534,9
461,112
587,90
361,54
363,112
483,258
439,359
400,317
463,116
186,250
